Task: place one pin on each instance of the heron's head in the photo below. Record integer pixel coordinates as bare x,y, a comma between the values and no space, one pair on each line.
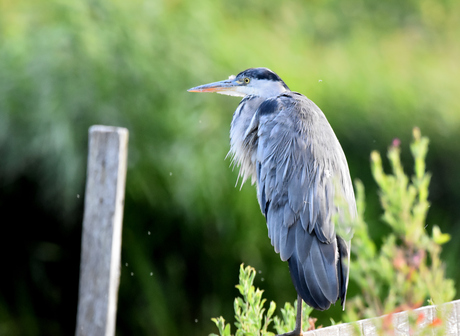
254,81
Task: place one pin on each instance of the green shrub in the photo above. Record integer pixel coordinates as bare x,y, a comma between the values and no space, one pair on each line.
250,312
406,270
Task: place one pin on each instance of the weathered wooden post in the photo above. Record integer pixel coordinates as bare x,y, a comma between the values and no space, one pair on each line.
101,236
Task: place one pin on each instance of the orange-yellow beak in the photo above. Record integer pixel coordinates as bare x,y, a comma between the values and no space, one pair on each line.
219,87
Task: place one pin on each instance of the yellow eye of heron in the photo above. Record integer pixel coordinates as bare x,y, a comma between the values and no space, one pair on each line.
246,80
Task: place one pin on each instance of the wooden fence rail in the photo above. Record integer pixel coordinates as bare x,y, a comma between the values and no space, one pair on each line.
398,324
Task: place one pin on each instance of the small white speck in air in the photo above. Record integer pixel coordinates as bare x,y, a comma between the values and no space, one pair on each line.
319,81
151,273
132,273
196,320
262,279
126,264
170,173
148,233
78,195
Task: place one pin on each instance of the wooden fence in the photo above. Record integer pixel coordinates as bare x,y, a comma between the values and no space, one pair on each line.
425,320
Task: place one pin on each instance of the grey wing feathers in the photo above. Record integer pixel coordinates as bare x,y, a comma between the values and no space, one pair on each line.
298,175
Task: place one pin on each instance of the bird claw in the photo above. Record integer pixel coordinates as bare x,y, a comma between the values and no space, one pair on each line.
292,333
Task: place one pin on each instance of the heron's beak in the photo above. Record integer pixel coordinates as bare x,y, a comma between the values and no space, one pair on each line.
227,87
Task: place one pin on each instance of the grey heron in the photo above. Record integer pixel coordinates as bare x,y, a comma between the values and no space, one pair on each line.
284,143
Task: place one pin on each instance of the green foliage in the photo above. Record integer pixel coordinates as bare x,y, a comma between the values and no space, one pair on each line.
250,314
407,269
249,309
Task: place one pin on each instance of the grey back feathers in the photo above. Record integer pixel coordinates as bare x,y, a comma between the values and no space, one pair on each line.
286,145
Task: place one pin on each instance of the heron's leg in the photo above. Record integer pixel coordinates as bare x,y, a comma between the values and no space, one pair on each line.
298,320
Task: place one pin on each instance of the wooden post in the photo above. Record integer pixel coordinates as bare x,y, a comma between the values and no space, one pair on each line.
101,236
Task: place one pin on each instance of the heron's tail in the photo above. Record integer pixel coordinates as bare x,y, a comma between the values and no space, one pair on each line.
319,271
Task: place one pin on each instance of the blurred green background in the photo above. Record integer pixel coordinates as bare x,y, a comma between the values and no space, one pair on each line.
376,68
